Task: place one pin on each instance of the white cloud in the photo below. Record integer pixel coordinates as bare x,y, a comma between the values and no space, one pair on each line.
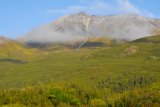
99,7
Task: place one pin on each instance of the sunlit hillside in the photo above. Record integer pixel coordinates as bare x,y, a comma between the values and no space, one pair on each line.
116,74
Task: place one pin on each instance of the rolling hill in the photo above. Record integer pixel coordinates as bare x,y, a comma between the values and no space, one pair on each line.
75,63
11,50
112,74
153,39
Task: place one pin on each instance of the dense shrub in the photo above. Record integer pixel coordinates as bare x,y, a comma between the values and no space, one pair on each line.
97,103
57,96
121,84
74,95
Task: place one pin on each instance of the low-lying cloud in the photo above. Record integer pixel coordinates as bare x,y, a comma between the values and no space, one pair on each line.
46,34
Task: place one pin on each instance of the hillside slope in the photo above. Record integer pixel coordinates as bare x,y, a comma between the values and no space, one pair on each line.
10,49
114,75
152,39
87,64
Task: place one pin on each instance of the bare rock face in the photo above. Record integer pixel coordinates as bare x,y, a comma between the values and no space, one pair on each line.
82,26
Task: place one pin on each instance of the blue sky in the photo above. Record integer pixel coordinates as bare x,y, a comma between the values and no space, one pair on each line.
17,17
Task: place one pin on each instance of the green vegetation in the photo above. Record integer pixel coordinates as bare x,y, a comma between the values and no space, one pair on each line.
115,75
80,95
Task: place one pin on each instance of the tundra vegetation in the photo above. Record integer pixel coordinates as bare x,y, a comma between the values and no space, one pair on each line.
112,75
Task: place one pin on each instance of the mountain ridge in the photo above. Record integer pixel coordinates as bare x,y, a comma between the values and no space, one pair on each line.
81,26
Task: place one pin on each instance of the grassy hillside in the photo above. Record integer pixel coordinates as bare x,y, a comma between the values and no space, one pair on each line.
118,75
10,49
152,39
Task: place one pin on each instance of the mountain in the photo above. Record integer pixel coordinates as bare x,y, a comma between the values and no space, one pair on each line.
82,26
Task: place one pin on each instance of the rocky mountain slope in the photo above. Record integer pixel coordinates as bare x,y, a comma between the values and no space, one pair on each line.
82,26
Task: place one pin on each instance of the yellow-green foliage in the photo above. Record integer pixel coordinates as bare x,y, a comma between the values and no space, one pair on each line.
97,103
15,50
67,95
87,77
